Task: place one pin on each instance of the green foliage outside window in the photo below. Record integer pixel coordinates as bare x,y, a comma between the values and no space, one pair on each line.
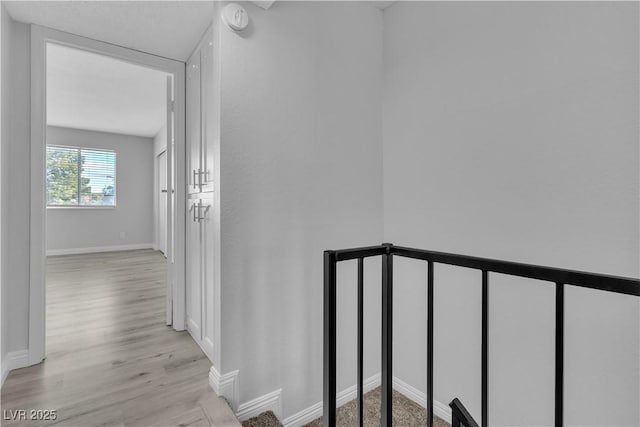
79,177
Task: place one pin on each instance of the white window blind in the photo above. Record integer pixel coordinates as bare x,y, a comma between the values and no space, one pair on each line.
80,177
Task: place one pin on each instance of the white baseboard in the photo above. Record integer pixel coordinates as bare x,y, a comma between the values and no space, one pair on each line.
268,402
350,393
439,409
14,360
225,386
96,249
315,411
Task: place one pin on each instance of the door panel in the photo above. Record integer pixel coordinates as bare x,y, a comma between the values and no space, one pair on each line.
209,122
207,247
194,271
202,132
194,111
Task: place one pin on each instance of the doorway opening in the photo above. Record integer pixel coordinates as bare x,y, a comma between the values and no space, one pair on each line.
105,120
107,141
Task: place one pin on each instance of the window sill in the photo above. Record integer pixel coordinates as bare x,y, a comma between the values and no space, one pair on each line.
80,207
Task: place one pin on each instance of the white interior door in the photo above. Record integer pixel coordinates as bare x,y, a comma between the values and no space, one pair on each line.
193,271
207,246
162,202
210,127
194,122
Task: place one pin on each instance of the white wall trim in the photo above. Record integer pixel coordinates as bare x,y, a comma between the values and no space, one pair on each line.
315,411
225,386
439,409
14,360
350,393
268,402
96,249
40,36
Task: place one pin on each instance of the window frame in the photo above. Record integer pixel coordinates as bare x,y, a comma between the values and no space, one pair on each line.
79,206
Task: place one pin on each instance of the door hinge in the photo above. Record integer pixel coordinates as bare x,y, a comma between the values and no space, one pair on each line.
172,106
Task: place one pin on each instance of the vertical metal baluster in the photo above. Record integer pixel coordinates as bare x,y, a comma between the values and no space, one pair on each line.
387,339
559,354
430,344
329,387
360,411
455,422
485,348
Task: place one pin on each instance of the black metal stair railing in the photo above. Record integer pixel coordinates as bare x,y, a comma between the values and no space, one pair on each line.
460,416
560,277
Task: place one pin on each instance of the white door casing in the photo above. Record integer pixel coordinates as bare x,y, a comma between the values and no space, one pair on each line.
40,37
169,208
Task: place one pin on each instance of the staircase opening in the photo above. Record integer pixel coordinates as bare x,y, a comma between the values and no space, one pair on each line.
560,278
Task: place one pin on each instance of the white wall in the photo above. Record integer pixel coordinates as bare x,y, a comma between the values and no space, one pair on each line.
511,131
5,35
74,228
301,152
160,141
15,182
300,173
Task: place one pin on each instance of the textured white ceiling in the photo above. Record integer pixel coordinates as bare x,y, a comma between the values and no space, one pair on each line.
94,92
166,28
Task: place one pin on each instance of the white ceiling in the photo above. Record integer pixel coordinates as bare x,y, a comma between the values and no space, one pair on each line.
95,92
166,28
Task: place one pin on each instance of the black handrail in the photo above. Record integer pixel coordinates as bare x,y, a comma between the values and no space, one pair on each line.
460,415
560,277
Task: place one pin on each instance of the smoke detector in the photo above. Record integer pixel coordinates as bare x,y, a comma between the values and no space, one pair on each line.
235,17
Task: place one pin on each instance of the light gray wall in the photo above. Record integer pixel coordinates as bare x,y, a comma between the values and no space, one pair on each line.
16,148
5,121
511,131
160,141
300,173
76,228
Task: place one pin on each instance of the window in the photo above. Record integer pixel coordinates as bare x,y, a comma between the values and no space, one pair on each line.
80,177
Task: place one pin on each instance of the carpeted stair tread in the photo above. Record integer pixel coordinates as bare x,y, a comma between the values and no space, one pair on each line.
266,419
406,413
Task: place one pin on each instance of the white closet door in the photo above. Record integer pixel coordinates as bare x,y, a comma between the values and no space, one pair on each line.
207,248
194,271
194,111
209,123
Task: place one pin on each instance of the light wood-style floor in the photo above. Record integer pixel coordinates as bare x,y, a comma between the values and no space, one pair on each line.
111,360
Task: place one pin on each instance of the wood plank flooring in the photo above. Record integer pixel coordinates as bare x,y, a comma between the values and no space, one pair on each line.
111,360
